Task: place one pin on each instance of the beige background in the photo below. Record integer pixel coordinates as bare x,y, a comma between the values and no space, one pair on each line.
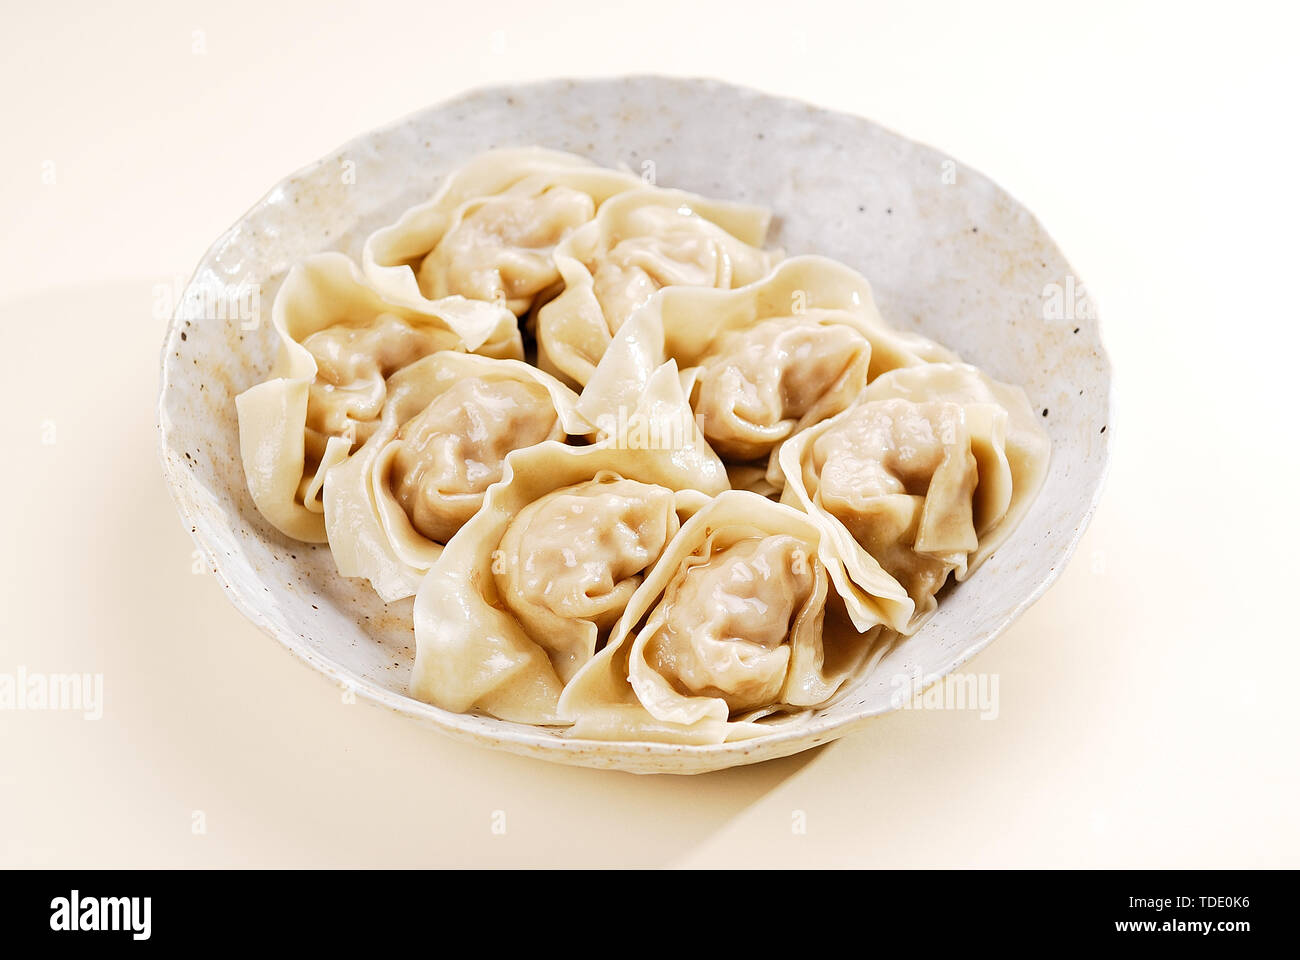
1147,703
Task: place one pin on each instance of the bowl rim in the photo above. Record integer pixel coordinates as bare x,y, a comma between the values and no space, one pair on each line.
518,738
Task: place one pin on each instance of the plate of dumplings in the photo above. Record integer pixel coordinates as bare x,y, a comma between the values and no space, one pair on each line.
650,424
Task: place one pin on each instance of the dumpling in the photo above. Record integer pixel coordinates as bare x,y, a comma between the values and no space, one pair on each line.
445,456
339,343
450,421
725,620
640,242
901,478
763,361
500,248
353,363
490,232
524,594
569,561
757,386
727,629
1011,448
924,476
655,239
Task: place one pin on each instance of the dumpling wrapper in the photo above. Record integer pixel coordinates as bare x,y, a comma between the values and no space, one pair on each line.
320,296
640,242
658,417
725,631
499,622
489,232
926,475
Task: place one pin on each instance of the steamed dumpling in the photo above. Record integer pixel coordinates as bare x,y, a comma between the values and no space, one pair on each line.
445,456
756,386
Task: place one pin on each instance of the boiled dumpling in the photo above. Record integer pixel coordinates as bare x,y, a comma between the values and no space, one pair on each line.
490,232
726,631
449,423
901,478
926,474
803,289
501,248
662,242
640,242
353,363
726,619
339,341
523,595
759,385
570,561
450,452
1010,445
761,362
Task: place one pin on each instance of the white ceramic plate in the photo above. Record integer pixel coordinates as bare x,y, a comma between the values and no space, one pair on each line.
948,253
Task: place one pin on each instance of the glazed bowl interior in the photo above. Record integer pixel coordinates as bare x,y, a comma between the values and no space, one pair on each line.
948,253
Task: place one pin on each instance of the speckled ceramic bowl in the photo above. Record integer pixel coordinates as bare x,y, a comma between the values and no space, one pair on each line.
948,252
